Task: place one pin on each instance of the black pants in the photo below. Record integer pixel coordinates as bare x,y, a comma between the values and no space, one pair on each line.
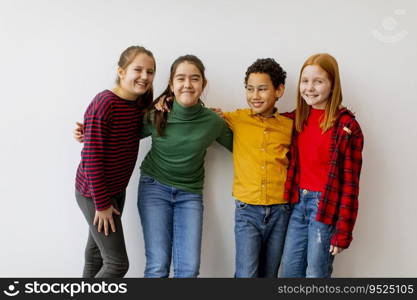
105,256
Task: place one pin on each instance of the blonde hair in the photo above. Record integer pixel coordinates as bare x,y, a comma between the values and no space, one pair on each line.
329,64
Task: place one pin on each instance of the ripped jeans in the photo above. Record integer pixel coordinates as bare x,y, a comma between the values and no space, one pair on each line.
306,250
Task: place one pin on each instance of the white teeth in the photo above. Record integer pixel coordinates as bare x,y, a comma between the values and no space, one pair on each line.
257,104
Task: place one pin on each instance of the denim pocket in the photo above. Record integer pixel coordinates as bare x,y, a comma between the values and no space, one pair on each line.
286,207
240,204
313,199
147,179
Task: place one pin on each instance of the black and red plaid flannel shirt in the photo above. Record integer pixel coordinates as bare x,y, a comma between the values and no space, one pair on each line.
338,204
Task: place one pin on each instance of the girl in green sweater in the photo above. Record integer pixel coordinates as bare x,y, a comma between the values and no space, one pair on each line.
172,173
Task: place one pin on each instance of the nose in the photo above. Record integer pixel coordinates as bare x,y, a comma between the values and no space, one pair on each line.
187,83
144,74
310,86
255,94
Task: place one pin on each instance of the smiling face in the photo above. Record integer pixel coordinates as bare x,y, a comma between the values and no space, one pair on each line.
187,84
136,79
261,94
315,86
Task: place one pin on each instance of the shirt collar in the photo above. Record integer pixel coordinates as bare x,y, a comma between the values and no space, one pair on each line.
274,115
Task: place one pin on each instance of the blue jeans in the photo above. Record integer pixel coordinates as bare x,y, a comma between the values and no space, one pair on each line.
260,235
172,222
306,252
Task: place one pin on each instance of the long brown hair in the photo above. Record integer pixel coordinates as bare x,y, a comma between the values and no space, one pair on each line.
160,117
126,58
329,64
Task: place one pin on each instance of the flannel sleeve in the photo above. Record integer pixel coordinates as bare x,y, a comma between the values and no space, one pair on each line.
348,210
290,184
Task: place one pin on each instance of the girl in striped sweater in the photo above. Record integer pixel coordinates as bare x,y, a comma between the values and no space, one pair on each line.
112,126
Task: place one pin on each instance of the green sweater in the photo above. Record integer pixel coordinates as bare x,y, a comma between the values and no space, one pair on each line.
177,158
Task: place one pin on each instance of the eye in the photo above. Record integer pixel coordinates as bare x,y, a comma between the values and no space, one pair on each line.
150,72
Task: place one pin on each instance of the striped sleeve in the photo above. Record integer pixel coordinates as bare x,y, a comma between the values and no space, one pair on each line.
96,126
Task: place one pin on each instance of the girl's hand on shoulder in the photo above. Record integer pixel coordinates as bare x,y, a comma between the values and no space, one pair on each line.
335,250
161,105
104,218
79,132
218,111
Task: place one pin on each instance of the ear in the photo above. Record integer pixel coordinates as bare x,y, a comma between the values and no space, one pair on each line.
280,91
171,87
121,73
204,84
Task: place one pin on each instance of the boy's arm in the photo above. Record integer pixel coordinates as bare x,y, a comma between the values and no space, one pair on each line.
230,117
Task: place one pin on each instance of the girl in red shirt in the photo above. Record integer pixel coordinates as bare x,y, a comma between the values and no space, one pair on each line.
323,176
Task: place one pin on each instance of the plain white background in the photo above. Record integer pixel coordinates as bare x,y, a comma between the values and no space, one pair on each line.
56,55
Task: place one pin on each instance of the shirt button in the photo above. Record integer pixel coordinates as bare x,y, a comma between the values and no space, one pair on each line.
304,192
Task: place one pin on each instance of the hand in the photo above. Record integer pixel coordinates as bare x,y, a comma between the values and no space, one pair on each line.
218,111
335,250
105,217
79,132
161,105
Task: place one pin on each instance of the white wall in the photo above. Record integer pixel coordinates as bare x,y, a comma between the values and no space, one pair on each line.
56,55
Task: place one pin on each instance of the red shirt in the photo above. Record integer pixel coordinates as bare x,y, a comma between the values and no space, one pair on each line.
314,154
338,204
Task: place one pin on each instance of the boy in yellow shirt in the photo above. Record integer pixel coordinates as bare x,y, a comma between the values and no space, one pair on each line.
261,140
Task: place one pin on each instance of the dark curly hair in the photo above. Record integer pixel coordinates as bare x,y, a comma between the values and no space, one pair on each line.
268,66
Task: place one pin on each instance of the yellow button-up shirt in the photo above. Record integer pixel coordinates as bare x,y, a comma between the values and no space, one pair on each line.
260,147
